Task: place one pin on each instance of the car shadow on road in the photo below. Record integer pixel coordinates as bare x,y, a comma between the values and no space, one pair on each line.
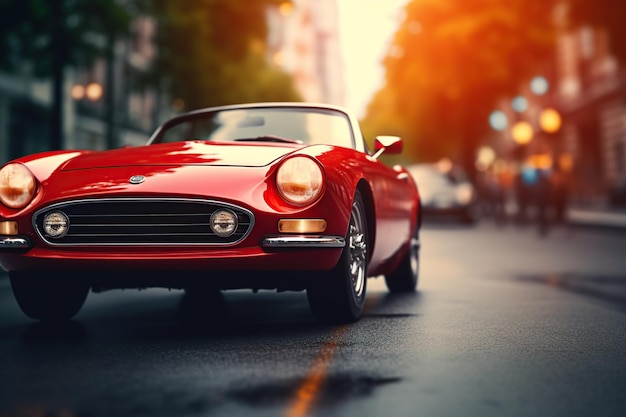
229,313
212,315
387,305
178,317
62,331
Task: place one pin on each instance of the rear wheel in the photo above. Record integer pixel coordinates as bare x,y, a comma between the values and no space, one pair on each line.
48,298
339,295
406,276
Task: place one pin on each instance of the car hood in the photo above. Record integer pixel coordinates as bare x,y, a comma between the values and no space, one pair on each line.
184,153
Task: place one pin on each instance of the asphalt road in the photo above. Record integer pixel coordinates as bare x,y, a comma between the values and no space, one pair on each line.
505,324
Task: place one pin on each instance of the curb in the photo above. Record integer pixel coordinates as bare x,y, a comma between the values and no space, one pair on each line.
607,220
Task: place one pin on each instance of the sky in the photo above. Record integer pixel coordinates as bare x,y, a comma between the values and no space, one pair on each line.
365,30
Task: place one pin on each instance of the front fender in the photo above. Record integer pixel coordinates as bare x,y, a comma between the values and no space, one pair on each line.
42,165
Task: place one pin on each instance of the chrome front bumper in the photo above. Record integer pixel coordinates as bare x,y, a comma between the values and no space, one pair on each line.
299,241
303,241
11,242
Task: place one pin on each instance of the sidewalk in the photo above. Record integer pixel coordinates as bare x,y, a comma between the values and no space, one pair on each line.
587,217
598,215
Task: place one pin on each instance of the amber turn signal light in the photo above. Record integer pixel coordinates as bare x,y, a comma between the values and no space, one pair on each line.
301,225
8,228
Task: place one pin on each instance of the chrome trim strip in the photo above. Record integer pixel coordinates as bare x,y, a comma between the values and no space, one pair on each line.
303,241
14,243
144,199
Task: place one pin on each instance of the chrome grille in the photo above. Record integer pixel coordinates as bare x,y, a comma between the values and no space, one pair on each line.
143,221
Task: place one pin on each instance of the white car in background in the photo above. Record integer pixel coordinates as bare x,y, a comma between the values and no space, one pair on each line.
446,190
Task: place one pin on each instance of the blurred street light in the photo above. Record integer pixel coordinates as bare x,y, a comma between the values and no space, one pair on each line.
498,120
550,120
78,92
92,92
522,132
541,160
519,104
484,158
539,85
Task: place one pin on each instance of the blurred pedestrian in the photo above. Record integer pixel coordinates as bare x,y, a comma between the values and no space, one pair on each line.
492,195
505,177
560,183
544,196
542,162
525,185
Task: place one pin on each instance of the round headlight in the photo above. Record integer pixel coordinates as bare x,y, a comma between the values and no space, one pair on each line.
17,185
299,180
223,223
56,224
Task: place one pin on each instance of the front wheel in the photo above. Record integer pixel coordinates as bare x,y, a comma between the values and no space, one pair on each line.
48,298
406,275
339,295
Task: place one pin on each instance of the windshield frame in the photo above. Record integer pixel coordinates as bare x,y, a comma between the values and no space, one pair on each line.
208,114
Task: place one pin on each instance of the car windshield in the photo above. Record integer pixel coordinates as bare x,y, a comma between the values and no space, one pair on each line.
296,125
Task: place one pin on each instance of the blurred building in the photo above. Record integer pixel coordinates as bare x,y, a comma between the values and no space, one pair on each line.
107,105
104,105
592,100
583,88
24,103
304,41
119,110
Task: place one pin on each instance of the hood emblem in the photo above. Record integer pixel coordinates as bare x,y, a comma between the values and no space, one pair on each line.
137,179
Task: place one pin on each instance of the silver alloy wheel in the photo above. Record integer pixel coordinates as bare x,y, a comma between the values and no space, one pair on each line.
358,249
338,296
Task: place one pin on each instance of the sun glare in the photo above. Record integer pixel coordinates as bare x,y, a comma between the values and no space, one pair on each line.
365,30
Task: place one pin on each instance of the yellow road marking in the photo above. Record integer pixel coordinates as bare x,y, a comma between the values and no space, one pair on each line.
308,391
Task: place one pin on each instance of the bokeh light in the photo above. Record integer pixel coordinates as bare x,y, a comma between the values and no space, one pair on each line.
550,120
522,132
519,104
539,85
93,91
484,158
78,92
498,120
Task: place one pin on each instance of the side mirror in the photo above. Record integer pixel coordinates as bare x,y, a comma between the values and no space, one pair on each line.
389,144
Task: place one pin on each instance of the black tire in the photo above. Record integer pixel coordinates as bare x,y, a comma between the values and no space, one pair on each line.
49,298
338,296
406,276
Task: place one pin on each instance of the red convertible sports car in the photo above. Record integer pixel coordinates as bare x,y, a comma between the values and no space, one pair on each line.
281,196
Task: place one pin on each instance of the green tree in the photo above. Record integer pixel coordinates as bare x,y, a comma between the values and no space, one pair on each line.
212,52
451,60
47,36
